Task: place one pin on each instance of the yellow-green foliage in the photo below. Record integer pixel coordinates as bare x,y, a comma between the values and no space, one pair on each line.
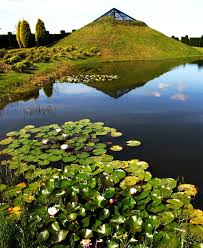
41,35
18,34
25,34
125,41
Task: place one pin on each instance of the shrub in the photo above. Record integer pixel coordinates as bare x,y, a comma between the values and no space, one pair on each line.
55,57
4,67
7,56
94,50
54,50
23,54
14,59
23,66
69,49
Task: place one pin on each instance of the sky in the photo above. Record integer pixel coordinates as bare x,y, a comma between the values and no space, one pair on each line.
171,17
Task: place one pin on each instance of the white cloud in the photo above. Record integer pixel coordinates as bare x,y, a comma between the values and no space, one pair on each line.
179,97
162,86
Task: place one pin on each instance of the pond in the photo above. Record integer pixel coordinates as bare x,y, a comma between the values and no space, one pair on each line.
159,103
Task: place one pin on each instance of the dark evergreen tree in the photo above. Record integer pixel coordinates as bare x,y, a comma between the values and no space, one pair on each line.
18,34
41,35
25,34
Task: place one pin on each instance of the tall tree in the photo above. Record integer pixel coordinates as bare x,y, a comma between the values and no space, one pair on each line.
41,35
25,34
18,34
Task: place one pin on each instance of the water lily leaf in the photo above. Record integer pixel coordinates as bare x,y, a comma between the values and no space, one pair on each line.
134,224
117,175
60,236
55,226
116,148
129,181
72,216
104,213
188,189
174,204
55,158
153,220
104,230
133,143
100,146
117,218
12,134
106,158
69,158
166,218
157,209
83,155
87,233
116,134
197,217
99,151
109,193
112,244
6,141
43,236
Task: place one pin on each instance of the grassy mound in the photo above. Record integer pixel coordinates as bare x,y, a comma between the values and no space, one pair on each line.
125,41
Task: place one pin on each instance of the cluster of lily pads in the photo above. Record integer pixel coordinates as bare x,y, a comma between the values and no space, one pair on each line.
90,78
72,193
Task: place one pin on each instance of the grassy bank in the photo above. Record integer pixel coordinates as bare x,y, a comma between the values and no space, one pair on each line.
28,73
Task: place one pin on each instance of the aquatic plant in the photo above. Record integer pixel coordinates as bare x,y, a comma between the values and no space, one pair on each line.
64,187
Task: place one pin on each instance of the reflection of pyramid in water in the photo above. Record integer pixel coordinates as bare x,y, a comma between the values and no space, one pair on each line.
131,75
118,15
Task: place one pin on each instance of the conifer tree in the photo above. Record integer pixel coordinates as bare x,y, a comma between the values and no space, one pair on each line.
25,34
41,35
18,34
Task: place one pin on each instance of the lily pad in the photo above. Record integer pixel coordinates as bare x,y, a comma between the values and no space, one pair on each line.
133,143
116,148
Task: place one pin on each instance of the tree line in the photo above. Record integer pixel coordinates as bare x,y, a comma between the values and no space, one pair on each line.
24,35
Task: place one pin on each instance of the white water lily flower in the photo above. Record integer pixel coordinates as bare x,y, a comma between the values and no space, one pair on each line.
64,135
44,142
86,243
64,147
52,211
58,130
133,191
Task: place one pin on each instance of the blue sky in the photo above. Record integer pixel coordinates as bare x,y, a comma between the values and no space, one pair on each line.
171,17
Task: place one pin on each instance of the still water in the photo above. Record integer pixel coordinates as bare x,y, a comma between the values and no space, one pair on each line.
160,104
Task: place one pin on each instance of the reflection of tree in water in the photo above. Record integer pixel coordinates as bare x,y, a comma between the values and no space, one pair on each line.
199,63
48,89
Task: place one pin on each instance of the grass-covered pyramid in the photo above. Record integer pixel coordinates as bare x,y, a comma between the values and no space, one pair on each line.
123,40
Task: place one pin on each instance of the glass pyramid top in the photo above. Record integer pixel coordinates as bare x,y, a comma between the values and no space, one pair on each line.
118,15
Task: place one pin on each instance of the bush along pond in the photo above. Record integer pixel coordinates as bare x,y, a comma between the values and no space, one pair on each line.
62,187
